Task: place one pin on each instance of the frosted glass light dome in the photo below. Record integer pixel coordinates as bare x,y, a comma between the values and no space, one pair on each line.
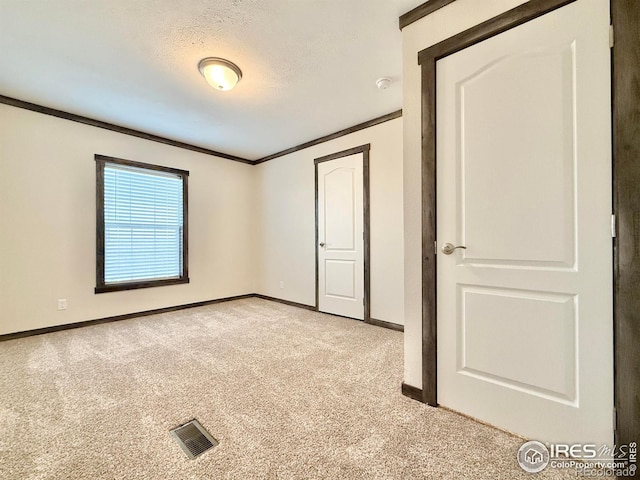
221,74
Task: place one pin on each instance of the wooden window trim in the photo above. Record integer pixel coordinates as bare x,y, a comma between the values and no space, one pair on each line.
101,287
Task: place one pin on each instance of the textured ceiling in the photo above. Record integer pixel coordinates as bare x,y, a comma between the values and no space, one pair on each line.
309,66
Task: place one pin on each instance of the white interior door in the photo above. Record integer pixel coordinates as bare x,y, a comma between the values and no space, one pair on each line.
524,182
340,237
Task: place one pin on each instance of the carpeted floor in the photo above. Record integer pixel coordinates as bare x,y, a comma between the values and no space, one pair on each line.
289,394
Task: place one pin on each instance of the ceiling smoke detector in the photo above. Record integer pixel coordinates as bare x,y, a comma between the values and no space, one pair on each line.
383,83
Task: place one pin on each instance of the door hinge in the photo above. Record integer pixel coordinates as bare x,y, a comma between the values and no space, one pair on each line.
610,36
615,419
613,225
435,247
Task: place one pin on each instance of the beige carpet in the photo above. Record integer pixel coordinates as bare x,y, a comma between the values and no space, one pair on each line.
288,393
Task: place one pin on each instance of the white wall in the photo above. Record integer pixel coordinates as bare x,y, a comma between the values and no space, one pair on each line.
48,224
249,226
444,23
286,221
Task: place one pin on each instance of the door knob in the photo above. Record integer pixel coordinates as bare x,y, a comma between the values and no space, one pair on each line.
448,248
322,244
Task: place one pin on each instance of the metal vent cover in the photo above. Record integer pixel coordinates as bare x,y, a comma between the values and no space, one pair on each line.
193,438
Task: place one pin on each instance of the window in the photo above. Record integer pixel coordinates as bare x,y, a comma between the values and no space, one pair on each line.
141,213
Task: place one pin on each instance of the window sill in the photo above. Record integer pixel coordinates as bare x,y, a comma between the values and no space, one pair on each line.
117,287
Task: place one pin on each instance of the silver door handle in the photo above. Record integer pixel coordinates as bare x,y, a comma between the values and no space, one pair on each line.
448,248
322,244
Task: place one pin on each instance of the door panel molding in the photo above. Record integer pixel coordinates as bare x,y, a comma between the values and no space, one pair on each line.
364,149
626,176
427,59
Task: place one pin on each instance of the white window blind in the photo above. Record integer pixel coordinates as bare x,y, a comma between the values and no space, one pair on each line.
143,224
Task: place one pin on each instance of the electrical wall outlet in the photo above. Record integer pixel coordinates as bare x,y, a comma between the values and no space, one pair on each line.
281,284
62,304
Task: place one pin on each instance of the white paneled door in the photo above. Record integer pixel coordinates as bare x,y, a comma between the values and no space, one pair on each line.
524,183
340,237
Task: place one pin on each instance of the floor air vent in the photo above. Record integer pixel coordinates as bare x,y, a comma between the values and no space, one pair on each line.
193,439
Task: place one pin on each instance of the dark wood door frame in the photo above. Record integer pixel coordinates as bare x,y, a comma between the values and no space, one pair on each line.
625,15
626,178
364,149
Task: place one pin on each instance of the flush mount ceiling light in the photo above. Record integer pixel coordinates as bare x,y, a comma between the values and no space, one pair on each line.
221,74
